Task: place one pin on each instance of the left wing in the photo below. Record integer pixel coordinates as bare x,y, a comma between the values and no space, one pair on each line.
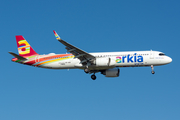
83,56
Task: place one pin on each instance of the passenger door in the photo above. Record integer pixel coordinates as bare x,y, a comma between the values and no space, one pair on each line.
151,54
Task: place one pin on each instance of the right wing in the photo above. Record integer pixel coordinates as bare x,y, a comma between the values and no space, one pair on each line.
83,56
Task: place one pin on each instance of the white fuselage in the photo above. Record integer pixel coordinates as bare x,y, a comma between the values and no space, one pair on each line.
116,59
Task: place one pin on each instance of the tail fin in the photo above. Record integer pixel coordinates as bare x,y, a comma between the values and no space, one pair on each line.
24,48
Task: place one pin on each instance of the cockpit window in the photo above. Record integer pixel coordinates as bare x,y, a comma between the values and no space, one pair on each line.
161,54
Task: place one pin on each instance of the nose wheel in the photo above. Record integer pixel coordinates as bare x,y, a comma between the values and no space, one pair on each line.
93,77
152,68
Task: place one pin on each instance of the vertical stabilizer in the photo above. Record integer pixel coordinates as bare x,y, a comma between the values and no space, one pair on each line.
24,48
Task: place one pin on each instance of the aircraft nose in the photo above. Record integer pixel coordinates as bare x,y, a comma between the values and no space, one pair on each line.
169,60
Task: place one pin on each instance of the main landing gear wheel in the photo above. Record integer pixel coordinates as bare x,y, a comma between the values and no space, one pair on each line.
93,77
86,70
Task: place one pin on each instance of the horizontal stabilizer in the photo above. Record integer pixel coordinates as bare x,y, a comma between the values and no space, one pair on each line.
17,56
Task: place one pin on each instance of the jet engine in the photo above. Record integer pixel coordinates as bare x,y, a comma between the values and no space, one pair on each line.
104,62
111,72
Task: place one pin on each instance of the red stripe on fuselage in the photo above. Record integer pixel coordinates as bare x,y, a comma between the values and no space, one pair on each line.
46,58
30,62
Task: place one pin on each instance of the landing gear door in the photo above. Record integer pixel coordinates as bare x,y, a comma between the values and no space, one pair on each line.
151,54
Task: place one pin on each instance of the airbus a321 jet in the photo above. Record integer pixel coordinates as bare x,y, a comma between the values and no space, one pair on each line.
107,63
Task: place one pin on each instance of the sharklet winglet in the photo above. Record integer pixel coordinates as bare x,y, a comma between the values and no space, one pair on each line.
56,35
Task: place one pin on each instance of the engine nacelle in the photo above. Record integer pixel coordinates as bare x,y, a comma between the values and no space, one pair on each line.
105,62
111,72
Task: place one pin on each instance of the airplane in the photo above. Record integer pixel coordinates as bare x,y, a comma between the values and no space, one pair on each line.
107,63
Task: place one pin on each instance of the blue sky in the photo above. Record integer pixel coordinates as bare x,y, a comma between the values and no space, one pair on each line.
28,93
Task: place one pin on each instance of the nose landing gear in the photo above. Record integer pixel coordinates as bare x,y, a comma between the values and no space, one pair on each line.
152,68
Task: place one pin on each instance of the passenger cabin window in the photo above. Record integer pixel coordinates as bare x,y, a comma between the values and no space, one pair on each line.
161,54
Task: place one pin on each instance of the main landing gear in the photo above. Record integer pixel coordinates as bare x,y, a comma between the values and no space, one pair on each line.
93,77
152,68
86,70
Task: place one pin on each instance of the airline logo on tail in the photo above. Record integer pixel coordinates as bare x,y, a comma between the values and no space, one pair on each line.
24,47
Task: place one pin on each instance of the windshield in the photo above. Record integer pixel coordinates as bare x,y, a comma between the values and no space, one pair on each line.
161,54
